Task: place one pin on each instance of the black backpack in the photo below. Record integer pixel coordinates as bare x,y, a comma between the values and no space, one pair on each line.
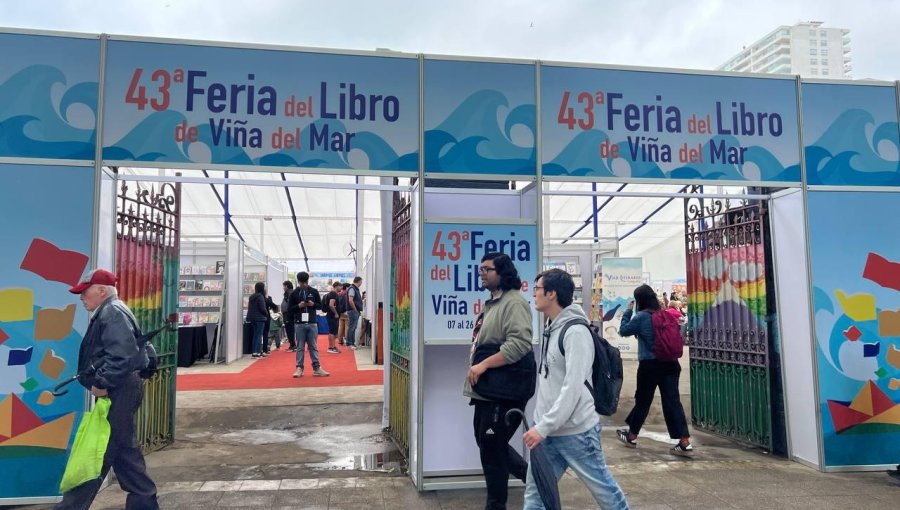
341,302
606,372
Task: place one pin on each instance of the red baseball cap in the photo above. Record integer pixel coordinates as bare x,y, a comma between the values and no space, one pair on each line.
95,277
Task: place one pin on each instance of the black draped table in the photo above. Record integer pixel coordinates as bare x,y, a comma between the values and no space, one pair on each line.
192,344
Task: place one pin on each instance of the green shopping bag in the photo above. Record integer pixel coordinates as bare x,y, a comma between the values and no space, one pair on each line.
86,459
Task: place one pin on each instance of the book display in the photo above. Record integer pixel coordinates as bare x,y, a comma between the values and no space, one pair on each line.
201,294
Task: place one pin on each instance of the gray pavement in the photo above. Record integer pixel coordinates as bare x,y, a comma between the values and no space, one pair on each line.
294,449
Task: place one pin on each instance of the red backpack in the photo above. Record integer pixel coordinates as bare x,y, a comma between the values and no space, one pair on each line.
668,344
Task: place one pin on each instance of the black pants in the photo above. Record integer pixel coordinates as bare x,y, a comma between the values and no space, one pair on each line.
266,340
289,329
650,374
122,454
498,459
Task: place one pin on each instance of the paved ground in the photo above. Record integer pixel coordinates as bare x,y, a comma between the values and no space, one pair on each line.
323,448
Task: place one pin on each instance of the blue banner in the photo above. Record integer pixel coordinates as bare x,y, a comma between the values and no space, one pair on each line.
232,106
47,245
48,96
850,135
653,125
856,291
479,118
453,293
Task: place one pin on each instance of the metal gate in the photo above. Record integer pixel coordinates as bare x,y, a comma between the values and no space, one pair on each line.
729,326
147,226
399,419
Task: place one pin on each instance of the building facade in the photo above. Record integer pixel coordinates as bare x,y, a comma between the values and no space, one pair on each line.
807,49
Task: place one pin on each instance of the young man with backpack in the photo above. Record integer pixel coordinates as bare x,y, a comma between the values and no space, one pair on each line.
333,308
659,346
565,416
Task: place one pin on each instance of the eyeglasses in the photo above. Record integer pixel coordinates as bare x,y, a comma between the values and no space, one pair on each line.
536,287
484,270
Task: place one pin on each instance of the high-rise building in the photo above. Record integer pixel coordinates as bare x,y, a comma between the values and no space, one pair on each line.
807,49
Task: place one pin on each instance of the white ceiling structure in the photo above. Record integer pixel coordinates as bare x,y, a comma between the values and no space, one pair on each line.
326,218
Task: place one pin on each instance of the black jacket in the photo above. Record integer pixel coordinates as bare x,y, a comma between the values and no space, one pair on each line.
110,346
256,308
300,295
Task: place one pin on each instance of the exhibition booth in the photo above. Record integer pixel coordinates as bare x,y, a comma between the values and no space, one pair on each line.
791,276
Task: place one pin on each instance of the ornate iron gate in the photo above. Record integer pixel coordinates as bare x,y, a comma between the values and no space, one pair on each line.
399,419
729,326
147,242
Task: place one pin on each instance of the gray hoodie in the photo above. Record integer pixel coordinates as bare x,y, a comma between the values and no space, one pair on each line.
564,404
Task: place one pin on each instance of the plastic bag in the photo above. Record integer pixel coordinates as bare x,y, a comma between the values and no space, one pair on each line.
86,459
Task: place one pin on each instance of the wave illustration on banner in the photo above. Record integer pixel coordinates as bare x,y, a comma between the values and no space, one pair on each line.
142,144
31,123
848,154
471,139
581,157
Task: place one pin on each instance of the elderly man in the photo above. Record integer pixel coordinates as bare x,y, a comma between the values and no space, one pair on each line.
109,359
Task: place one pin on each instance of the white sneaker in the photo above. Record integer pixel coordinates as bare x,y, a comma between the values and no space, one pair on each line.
298,373
320,372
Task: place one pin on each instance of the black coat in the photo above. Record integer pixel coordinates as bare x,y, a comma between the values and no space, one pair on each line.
295,307
110,346
256,308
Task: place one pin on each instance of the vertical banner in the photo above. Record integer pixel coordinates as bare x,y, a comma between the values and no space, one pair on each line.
479,118
851,135
48,96
240,106
856,294
453,293
655,125
46,250
620,277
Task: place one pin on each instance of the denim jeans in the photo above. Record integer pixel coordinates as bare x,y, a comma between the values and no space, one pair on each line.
583,454
306,337
258,329
351,328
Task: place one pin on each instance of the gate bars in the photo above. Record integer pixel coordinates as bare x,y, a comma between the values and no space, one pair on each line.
399,419
728,321
147,244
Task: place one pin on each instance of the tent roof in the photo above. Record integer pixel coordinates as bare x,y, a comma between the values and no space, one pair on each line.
326,218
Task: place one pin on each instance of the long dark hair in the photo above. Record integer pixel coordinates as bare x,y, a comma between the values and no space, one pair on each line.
645,298
509,275
260,287
290,287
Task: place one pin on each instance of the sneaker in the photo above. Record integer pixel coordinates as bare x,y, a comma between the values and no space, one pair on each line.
622,434
320,372
298,373
352,347
341,342
292,350
684,449
334,350
255,355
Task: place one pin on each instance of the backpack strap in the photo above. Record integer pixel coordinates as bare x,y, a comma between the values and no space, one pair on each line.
562,349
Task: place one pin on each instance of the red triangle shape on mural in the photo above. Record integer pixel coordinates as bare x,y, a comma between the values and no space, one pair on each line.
880,401
843,417
23,418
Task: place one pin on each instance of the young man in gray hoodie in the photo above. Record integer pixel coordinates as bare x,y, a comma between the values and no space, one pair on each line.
565,421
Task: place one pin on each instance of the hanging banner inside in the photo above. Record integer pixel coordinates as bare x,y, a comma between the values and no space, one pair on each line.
856,295
851,135
620,277
479,118
46,251
236,106
653,125
48,96
453,293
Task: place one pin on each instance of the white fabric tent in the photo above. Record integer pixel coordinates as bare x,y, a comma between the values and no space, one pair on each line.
326,218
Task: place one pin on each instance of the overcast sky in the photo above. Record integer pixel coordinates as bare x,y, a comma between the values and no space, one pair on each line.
698,34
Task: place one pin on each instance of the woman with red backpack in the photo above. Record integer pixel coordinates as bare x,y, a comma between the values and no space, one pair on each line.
659,347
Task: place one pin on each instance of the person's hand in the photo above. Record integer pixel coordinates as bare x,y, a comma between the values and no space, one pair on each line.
532,438
475,373
310,302
631,305
97,392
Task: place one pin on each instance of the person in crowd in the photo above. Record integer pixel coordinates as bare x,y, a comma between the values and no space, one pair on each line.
506,320
258,316
330,304
354,307
270,306
565,420
303,303
650,374
110,345
344,321
286,316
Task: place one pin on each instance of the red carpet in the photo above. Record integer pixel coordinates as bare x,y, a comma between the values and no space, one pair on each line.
277,369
